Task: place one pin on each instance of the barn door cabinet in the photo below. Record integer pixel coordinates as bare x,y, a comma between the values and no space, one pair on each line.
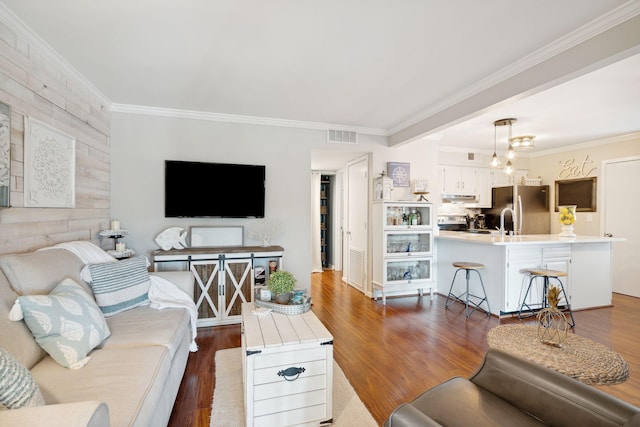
224,278
402,248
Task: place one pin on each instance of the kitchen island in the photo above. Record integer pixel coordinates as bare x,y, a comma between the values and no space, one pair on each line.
586,259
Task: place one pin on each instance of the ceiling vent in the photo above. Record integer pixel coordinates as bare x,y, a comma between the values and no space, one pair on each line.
342,137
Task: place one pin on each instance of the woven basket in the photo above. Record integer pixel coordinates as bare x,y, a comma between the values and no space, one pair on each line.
285,308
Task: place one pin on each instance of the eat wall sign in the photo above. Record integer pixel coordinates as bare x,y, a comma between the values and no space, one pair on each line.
571,168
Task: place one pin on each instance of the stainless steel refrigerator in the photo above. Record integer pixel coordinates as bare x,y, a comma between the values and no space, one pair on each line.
531,204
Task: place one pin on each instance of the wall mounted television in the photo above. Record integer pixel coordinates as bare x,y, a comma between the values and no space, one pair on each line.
223,190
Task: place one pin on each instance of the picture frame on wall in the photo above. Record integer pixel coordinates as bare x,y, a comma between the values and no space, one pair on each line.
5,155
580,192
49,166
400,173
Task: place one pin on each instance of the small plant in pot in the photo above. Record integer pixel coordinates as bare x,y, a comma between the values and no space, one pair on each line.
281,283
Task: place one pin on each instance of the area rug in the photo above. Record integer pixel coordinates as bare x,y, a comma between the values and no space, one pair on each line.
228,400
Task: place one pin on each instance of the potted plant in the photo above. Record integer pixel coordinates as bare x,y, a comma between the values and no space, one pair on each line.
281,283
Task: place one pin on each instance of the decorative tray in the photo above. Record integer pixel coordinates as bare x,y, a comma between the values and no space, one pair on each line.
285,308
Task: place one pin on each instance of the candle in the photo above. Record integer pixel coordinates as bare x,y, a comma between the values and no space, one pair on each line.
120,247
115,224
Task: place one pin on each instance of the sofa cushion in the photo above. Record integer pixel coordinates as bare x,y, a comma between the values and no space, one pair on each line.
17,387
66,323
15,337
120,286
129,379
461,402
132,327
40,271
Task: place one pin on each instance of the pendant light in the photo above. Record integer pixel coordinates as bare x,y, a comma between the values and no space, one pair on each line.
495,161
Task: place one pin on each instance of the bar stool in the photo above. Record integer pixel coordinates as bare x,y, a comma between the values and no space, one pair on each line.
464,298
546,275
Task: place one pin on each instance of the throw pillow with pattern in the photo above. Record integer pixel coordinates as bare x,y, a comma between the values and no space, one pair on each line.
67,323
17,387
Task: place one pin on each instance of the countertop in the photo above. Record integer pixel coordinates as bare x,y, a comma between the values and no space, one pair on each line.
528,239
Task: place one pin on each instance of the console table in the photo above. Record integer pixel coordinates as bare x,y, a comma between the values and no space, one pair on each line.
224,277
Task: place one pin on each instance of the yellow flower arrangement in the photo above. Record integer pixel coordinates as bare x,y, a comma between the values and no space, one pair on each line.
567,215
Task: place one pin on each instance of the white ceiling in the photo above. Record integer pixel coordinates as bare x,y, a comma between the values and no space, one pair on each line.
381,67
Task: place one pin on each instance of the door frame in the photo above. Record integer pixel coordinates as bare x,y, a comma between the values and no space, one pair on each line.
347,234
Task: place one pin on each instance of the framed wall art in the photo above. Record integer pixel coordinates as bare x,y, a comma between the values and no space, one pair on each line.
49,166
580,192
400,173
5,155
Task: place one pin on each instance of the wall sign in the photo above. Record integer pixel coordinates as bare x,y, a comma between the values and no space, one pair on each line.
571,169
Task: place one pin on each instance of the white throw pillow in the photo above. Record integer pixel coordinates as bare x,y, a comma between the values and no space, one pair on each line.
120,286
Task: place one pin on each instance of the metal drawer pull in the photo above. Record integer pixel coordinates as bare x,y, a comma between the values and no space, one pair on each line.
290,372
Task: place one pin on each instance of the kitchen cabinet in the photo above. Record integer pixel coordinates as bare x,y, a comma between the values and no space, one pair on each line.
402,248
457,180
551,258
464,180
224,278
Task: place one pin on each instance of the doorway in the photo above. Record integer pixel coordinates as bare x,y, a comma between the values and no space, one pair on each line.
356,223
620,198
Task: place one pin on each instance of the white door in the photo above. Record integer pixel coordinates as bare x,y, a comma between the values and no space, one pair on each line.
355,255
621,202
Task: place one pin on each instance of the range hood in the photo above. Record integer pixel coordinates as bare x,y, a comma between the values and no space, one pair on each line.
459,198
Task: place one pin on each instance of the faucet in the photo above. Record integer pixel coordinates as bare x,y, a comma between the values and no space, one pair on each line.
513,215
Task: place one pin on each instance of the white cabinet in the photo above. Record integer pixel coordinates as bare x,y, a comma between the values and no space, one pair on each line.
224,277
467,181
287,365
557,257
402,248
457,180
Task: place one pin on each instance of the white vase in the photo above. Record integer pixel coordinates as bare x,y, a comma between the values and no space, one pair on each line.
567,231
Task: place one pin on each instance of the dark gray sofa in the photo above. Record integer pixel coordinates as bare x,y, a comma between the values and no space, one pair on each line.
509,391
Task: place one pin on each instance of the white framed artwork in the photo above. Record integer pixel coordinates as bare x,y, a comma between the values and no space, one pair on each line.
5,154
49,166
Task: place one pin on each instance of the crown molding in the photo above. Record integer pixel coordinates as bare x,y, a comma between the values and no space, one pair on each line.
231,118
583,145
22,30
582,34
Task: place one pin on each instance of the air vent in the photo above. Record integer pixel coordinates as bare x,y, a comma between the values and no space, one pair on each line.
342,137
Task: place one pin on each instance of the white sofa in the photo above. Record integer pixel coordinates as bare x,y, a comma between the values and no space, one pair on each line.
133,376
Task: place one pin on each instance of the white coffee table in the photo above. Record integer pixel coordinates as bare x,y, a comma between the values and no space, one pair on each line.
287,363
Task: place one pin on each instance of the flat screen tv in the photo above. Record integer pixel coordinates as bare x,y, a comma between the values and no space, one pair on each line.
224,190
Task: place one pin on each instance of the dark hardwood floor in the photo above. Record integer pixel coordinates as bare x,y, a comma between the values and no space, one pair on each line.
392,353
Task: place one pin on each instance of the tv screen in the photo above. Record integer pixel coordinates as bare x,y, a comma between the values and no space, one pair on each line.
199,189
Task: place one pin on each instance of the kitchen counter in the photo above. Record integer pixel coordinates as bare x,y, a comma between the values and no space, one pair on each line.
529,239
586,259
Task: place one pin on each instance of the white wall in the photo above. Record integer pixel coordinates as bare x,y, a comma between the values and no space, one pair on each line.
140,145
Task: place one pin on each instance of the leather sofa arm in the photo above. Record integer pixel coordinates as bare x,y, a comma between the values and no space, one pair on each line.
546,394
406,415
76,414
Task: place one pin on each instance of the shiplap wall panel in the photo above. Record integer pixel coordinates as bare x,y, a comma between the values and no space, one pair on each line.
34,83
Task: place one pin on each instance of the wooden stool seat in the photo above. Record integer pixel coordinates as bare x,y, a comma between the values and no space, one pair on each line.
466,297
543,272
468,265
